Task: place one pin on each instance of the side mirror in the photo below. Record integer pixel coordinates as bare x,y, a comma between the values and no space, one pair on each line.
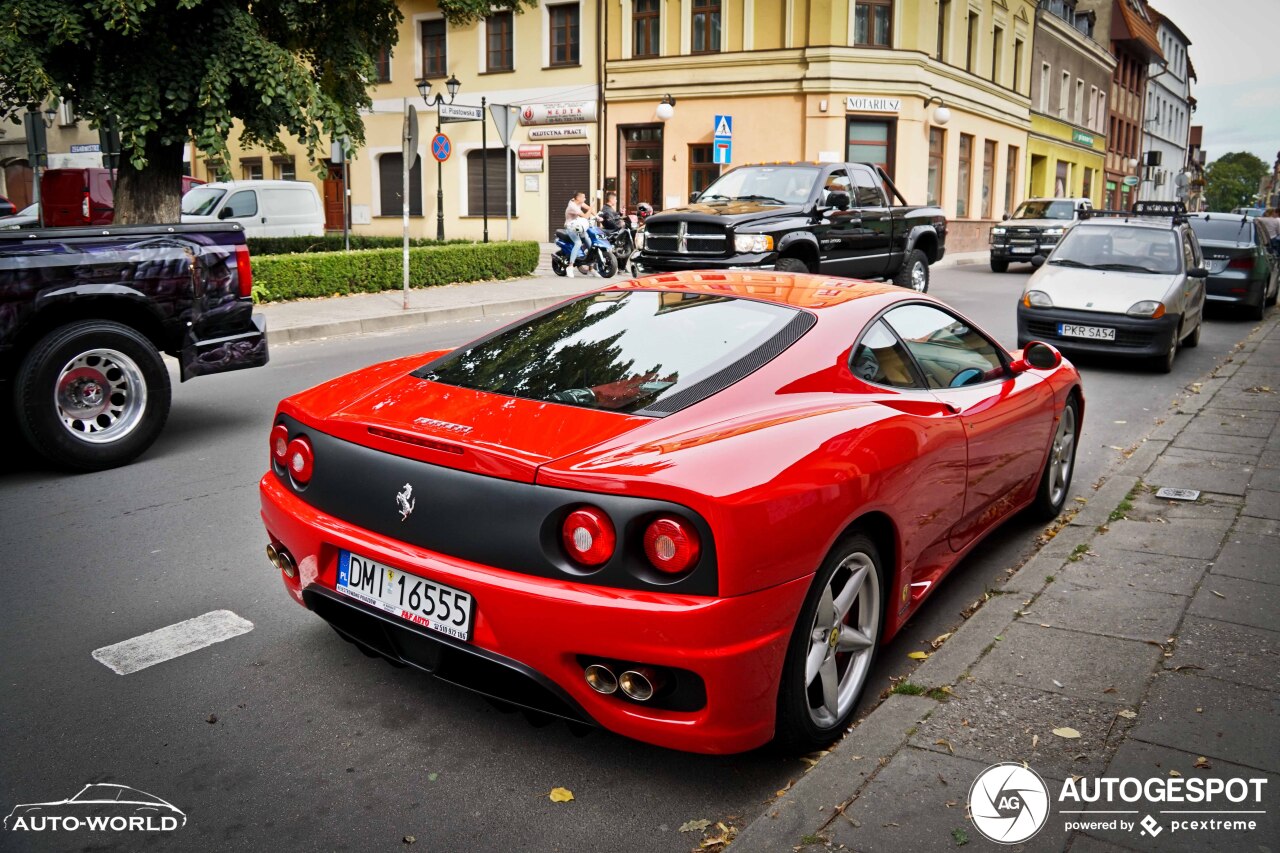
838,200
1038,355
1006,216
226,213
694,196
1037,261
1198,272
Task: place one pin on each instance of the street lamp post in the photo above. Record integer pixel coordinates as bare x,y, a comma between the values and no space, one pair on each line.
424,89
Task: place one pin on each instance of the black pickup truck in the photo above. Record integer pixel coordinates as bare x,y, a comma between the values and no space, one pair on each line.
85,314
832,218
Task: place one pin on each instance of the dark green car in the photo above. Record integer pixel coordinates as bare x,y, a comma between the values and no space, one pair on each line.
1241,269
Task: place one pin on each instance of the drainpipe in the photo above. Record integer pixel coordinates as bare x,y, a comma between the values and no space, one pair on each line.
602,20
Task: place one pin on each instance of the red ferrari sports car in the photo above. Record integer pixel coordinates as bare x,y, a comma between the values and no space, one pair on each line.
687,508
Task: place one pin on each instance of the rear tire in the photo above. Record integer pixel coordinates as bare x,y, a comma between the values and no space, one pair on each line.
791,265
999,266
817,675
1055,480
92,395
1257,312
914,272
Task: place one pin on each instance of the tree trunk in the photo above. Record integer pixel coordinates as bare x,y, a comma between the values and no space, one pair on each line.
153,195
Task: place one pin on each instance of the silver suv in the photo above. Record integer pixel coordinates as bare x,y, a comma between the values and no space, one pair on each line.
1034,229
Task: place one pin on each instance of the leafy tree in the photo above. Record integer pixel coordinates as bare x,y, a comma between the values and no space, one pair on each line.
170,71
1232,180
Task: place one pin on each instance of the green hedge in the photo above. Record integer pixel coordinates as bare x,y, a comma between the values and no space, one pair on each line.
280,277
334,243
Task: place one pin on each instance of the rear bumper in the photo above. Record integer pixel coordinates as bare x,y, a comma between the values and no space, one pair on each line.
530,635
1235,288
236,351
1134,336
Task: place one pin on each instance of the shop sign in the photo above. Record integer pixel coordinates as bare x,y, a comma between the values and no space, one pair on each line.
558,112
558,133
1082,138
529,165
867,104
530,152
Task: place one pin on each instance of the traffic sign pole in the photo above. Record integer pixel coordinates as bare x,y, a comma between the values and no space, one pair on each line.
484,169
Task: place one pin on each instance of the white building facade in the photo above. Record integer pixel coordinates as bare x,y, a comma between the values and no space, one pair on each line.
1167,120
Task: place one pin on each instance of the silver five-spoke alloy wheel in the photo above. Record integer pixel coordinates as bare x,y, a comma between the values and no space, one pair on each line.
100,396
919,277
842,639
1062,456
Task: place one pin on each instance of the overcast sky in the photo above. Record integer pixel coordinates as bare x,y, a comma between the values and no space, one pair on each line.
1235,48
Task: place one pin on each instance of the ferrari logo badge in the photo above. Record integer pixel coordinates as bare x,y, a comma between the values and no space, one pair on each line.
406,501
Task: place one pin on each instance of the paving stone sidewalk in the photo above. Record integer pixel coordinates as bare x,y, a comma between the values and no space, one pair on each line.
1151,627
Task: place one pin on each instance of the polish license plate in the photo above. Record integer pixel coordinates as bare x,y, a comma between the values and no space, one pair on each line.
1215,266
418,600
1097,333
1023,250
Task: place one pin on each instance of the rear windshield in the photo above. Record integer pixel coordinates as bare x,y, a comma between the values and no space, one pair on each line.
201,201
620,350
1046,210
1232,230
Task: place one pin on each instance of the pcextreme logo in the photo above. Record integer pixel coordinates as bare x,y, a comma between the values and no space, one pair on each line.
99,807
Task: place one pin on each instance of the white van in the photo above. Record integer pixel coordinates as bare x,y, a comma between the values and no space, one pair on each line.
263,208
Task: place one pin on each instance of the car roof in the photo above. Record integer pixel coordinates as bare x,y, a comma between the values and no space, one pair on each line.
1160,223
1221,216
252,184
810,292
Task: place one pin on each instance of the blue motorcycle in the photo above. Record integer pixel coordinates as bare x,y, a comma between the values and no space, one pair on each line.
598,256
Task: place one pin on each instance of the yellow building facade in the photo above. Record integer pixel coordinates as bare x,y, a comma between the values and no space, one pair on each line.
542,64
936,93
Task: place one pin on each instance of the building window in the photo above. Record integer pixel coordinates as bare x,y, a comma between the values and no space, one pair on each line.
1064,95
435,61
251,168
1017,65
870,141
1062,179
382,65
1044,88
283,169
997,55
502,182
706,26
937,149
988,176
944,28
391,185
872,23
498,53
564,34
702,168
1079,113
644,27
971,43
964,176
1086,186
1010,178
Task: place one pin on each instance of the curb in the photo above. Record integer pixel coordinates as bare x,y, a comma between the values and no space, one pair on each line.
779,825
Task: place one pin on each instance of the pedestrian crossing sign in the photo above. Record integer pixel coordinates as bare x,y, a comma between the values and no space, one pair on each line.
724,126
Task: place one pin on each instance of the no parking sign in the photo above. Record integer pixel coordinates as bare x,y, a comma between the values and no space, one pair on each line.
441,147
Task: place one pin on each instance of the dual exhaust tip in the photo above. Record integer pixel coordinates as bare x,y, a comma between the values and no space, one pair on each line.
638,683
281,559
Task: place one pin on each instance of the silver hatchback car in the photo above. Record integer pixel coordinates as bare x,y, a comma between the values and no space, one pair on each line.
1126,284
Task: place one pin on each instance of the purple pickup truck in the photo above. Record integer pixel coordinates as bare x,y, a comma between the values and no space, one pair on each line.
85,314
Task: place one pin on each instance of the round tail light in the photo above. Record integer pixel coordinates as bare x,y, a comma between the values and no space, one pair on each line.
300,461
279,444
671,544
588,536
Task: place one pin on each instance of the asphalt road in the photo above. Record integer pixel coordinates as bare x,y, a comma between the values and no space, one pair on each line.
313,745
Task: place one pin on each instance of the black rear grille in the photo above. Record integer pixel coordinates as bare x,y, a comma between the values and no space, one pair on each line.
447,659
686,238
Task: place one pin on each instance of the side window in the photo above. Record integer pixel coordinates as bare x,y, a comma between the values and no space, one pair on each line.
867,192
880,358
1189,250
243,203
950,352
837,182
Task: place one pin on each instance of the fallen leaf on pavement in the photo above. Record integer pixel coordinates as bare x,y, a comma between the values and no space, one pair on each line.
946,743
409,839
694,825
211,719
1127,714
1058,683
1203,763
918,655
1109,690
561,795
1175,773
1067,732
1035,740
940,639
1215,592
1181,667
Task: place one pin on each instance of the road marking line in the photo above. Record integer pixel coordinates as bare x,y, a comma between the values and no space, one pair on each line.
174,641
